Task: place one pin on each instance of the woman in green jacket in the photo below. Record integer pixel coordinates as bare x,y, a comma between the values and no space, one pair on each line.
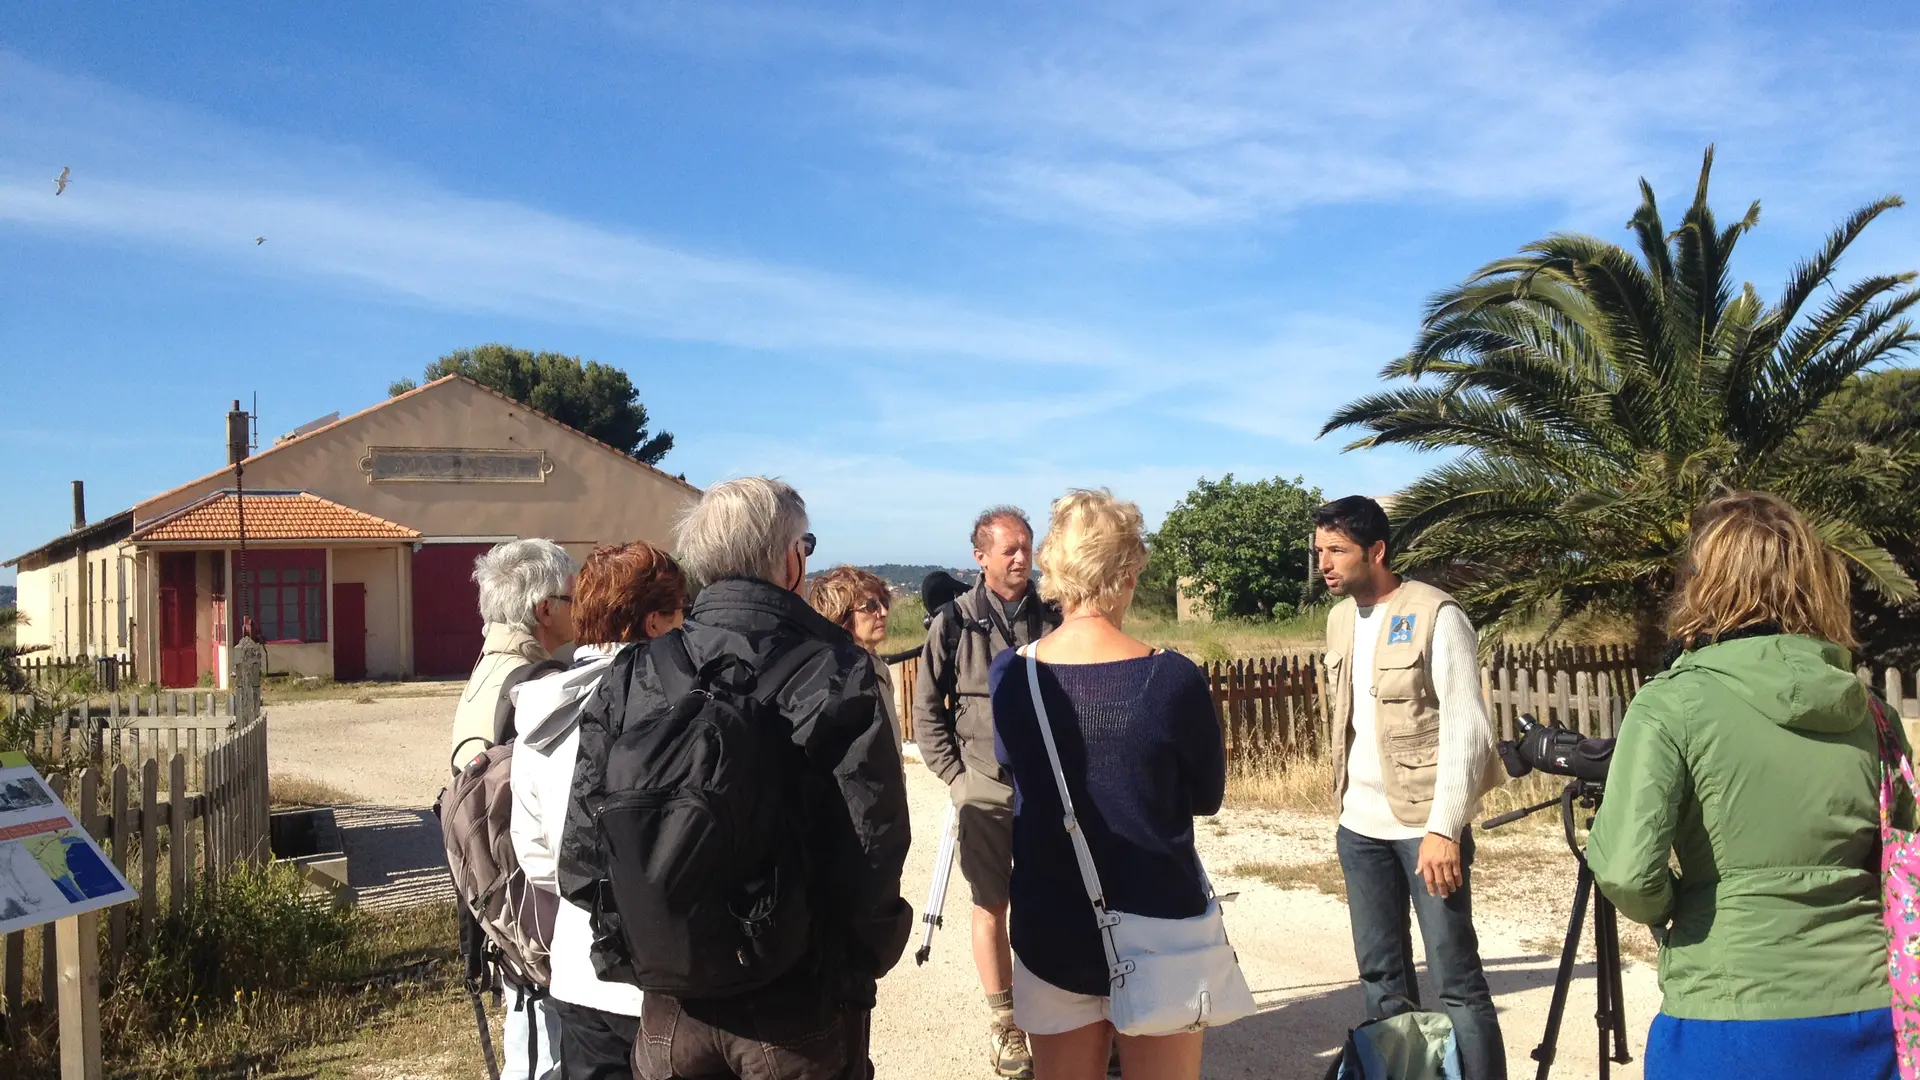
1753,761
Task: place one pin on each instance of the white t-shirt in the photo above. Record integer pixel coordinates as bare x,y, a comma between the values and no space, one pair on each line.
1466,737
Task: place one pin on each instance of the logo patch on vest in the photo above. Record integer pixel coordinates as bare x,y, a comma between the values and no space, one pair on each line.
1400,631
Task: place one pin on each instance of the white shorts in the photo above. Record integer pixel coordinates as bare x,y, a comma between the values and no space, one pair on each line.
1041,1008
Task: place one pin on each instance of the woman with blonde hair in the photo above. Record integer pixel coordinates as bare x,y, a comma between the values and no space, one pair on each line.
1742,817
1141,753
854,600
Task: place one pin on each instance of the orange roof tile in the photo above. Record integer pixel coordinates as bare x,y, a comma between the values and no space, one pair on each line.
279,515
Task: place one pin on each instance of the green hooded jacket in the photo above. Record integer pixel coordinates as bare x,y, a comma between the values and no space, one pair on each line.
1754,762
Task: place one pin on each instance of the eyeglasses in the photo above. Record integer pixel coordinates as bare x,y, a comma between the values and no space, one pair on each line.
806,544
568,597
872,607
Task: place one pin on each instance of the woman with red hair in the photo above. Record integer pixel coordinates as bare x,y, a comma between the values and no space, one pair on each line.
623,595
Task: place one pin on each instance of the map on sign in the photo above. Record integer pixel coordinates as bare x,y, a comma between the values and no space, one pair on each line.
49,867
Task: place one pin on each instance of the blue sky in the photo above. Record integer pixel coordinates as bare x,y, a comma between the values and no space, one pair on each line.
916,258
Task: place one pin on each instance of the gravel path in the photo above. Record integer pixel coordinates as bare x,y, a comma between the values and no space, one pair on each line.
390,758
1294,943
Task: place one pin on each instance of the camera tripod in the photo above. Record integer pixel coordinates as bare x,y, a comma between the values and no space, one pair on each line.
1609,1015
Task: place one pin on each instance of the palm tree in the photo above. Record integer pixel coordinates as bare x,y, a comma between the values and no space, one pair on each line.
1598,398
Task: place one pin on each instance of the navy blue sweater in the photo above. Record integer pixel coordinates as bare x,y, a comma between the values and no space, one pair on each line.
1140,745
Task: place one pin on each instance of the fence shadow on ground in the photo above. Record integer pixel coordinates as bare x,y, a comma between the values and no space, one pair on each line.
395,857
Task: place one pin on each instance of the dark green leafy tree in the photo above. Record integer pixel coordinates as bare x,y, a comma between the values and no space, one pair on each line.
1883,408
1592,398
1241,548
593,397
1159,588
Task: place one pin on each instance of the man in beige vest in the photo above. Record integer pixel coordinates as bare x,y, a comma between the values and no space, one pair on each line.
1414,751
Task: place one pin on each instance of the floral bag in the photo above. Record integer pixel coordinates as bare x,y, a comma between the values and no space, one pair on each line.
1900,893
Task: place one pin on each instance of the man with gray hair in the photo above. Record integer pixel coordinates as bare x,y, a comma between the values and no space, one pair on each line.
526,607
842,818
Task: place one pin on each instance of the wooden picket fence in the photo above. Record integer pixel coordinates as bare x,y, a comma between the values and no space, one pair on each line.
111,729
1272,707
174,822
1898,689
109,673
1269,706
906,673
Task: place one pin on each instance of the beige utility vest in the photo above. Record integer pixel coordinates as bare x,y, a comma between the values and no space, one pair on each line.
1406,707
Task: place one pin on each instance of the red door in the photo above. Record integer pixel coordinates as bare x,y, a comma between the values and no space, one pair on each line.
349,631
446,609
179,657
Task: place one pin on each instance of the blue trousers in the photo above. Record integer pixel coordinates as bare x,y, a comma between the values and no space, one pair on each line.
1384,893
1851,1046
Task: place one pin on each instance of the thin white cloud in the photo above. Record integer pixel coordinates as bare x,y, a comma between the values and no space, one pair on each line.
329,213
1140,113
1228,113
469,254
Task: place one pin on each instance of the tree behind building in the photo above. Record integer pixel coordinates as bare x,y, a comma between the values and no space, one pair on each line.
593,397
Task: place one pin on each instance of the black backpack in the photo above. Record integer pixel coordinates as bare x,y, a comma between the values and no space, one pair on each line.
702,832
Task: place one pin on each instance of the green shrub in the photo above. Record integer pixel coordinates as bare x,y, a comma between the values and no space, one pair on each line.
260,932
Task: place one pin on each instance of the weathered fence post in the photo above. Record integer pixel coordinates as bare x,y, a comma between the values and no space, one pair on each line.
249,667
77,946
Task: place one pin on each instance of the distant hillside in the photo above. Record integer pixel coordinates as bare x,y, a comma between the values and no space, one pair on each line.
7,595
907,577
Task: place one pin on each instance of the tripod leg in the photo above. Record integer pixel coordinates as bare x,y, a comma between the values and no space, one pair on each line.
1607,928
1564,978
1604,1002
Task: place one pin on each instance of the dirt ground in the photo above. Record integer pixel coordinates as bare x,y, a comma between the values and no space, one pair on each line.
1292,937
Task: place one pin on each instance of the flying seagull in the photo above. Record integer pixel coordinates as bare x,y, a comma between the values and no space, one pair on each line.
258,240
60,182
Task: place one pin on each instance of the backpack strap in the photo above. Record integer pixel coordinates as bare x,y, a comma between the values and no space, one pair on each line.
768,684
956,624
486,744
503,710
679,675
479,979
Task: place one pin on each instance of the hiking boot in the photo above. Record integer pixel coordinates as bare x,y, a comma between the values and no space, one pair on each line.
1010,1056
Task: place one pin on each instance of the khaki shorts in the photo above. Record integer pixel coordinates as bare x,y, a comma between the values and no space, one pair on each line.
985,840
1041,1008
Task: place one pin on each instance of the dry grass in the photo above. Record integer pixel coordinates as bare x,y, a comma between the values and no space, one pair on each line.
284,790
1228,639
1298,782
285,689
395,999
1324,875
1304,784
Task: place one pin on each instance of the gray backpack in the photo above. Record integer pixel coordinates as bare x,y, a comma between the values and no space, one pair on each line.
514,917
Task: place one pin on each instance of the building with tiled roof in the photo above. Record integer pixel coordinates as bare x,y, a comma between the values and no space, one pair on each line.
359,540
267,516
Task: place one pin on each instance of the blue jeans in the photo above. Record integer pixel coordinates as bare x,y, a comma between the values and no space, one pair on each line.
1381,885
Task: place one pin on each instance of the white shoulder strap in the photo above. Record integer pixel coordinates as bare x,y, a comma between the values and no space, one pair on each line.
1089,876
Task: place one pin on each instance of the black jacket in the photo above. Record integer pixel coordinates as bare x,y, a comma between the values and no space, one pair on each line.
856,793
